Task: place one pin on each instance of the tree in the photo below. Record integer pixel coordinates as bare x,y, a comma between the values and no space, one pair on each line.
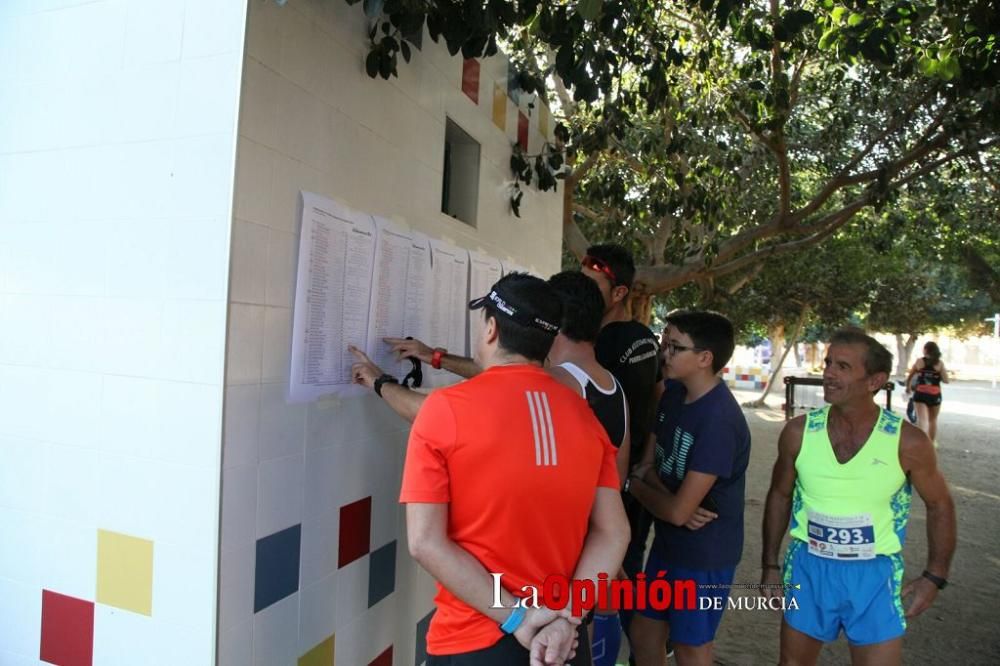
776,149
821,287
917,293
720,136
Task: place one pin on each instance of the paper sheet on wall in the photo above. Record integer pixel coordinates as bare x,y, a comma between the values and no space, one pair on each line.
332,297
449,301
484,271
399,292
417,314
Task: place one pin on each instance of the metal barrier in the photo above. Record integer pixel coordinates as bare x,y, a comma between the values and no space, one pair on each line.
792,382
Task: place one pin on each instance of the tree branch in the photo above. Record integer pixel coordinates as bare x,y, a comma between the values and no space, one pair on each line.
944,159
892,127
745,279
819,230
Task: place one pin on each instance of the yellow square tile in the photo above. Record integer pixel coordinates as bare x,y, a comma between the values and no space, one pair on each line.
321,655
125,572
499,107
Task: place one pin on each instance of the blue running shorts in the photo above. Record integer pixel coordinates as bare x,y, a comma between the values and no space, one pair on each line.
695,626
861,597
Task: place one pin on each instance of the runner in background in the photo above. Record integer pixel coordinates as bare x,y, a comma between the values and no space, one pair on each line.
929,374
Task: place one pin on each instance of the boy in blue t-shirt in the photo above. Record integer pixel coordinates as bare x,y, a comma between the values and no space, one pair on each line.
693,487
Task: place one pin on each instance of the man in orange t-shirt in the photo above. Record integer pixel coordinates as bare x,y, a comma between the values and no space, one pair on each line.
510,473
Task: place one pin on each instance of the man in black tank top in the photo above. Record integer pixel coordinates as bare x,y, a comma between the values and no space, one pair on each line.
572,354
630,351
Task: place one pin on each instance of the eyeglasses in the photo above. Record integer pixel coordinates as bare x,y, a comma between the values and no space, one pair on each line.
600,266
671,349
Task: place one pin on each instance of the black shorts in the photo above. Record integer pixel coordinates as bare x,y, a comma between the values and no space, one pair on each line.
508,652
927,399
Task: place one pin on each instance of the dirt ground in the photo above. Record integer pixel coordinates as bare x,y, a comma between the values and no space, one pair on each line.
959,627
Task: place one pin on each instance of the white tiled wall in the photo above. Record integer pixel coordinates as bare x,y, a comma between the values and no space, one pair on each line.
117,163
311,119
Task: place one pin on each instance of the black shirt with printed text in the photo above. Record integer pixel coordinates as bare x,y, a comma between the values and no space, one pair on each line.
630,352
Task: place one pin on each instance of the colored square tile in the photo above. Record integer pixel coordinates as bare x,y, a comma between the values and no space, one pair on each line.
384,659
522,130
382,573
470,79
499,108
277,572
355,531
125,572
420,649
321,655
67,630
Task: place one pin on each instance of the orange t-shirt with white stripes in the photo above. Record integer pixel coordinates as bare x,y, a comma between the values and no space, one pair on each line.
518,457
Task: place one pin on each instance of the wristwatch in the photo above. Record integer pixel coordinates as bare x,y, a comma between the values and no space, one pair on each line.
383,379
436,357
937,580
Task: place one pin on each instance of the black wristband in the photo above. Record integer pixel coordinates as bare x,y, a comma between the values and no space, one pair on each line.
941,583
383,379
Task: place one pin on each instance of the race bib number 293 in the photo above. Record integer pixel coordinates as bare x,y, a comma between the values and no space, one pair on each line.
841,537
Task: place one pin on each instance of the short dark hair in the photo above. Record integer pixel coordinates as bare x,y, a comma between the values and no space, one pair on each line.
619,259
532,295
877,357
708,330
583,305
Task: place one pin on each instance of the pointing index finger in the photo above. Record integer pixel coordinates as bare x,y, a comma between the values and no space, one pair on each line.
358,353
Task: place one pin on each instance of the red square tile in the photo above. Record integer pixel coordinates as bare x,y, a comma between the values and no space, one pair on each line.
522,130
470,79
355,531
67,630
384,659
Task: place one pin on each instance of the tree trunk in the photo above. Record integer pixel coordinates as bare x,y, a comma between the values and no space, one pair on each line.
776,335
640,307
903,352
776,368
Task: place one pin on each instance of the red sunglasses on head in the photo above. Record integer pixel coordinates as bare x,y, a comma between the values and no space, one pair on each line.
600,266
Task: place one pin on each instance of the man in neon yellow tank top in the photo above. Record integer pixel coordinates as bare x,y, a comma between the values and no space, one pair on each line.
844,476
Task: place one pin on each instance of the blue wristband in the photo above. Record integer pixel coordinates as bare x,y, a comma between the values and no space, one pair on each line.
514,620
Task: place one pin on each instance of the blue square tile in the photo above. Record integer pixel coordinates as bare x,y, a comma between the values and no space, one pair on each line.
420,653
277,570
381,573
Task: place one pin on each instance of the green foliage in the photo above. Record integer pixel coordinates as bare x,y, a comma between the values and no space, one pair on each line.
718,135
830,282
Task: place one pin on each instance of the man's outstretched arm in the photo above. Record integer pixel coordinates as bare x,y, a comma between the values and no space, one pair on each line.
405,402
459,365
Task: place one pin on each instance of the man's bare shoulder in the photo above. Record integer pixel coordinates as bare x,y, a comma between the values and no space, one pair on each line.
914,447
795,427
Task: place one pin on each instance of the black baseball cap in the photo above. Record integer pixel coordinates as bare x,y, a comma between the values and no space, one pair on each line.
504,304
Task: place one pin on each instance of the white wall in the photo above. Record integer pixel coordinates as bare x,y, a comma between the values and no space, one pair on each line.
117,141
311,119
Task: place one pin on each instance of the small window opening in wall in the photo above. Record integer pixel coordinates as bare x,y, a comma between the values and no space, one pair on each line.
460,185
